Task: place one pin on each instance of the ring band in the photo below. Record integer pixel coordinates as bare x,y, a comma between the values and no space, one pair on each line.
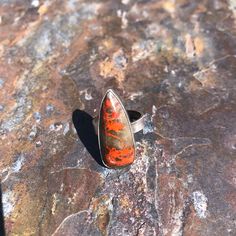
136,120
135,117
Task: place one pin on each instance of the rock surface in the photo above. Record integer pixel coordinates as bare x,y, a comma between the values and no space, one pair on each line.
173,60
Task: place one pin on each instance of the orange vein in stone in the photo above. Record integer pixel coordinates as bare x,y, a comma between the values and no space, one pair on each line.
114,125
114,136
120,157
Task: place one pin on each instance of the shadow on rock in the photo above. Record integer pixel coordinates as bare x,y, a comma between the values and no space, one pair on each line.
83,123
2,229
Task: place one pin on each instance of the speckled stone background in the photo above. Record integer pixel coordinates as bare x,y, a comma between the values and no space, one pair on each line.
174,60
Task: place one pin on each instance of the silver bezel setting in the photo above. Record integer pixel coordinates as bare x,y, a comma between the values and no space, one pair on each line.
129,123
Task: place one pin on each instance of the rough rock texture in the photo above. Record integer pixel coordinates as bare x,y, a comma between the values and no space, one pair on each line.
173,60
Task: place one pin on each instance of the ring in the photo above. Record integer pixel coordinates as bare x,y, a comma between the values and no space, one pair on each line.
115,129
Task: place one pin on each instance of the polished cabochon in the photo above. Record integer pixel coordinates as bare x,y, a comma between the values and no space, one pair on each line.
116,140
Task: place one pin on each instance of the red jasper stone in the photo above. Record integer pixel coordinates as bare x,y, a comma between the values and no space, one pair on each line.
116,138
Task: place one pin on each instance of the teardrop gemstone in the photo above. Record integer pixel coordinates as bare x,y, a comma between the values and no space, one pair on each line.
116,139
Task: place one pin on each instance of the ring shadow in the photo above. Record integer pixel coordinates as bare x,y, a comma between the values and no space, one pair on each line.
83,124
